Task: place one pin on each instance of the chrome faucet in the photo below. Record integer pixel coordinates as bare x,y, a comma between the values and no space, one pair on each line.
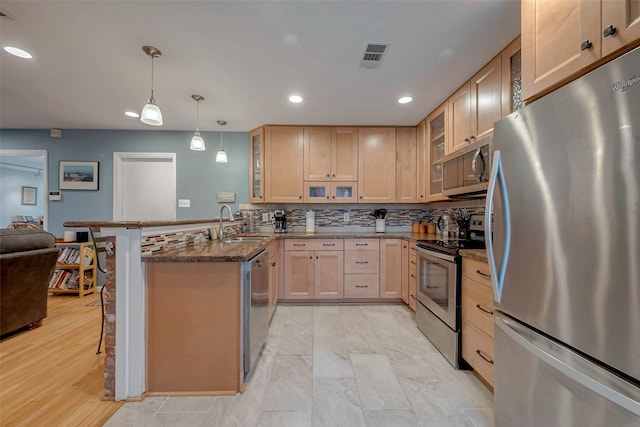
221,232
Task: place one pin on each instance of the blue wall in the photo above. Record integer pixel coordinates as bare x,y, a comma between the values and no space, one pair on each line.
199,177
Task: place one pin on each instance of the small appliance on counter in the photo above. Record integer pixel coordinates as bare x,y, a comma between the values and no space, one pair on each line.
281,221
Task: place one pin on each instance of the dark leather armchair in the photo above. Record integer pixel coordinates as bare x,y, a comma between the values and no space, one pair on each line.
27,261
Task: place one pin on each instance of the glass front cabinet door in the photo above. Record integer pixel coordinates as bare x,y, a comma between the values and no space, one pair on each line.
330,192
256,179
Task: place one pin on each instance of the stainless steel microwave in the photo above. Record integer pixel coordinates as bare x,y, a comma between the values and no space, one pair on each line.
466,171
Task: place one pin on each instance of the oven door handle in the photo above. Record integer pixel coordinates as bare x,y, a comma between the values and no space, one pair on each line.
429,253
497,273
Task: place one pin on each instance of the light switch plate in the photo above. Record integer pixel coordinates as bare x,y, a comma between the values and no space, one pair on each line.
184,203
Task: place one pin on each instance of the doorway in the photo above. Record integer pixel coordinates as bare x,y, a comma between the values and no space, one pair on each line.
144,186
20,169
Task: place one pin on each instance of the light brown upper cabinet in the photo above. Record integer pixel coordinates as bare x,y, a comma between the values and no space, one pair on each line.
561,39
437,138
283,164
330,154
317,154
410,161
256,168
486,99
330,164
344,154
460,129
624,17
511,78
376,165
476,106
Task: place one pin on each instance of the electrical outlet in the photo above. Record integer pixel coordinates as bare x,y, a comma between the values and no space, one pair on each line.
346,217
265,217
184,203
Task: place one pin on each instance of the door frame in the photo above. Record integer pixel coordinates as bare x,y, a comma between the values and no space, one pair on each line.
45,177
118,179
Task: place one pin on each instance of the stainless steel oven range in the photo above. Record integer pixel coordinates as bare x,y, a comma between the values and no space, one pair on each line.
438,288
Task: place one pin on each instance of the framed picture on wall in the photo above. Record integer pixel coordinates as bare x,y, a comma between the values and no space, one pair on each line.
29,195
78,175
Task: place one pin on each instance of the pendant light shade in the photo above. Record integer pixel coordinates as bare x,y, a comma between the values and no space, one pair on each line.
151,114
221,156
197,143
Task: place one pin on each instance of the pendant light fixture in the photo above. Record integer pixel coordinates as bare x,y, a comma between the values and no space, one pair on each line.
197,143
151,114
221,157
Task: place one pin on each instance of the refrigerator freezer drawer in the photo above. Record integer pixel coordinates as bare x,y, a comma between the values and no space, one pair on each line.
540,383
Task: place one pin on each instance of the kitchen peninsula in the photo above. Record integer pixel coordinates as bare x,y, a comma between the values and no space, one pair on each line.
175,286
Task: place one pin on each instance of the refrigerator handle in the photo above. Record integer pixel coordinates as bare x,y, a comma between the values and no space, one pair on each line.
497,177
618,397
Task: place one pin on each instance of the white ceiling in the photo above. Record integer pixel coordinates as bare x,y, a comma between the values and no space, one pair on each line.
244,57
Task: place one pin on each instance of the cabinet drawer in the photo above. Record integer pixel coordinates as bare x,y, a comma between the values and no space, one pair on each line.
361,286
313,244
477,305
361,244
476,270
477,349
361,262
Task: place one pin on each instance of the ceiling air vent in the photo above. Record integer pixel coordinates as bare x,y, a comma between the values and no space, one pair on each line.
372,56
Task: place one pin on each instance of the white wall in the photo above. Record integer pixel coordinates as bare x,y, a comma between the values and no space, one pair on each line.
11,182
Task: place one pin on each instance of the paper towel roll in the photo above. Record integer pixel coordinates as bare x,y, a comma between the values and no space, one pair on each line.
311,222
69,236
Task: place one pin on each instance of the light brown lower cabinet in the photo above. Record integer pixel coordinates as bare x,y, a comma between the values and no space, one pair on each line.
477,318
274,275
313,269
412,285
193,327
391,268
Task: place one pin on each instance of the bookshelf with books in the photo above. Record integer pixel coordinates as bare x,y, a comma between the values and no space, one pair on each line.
76,271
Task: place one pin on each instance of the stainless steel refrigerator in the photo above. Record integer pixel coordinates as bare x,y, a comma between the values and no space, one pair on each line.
564,254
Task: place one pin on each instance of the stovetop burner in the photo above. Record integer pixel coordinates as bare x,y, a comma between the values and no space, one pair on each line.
451,246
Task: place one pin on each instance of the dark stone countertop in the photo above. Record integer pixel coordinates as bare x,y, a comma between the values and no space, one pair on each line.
136,224
477,254
217,251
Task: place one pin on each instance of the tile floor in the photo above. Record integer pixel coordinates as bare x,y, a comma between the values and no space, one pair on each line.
335,365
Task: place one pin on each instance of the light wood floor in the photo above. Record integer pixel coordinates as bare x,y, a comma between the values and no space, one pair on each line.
51,375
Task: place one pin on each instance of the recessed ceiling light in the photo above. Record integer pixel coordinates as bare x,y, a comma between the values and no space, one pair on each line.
295,98
405,100
132,114
18,52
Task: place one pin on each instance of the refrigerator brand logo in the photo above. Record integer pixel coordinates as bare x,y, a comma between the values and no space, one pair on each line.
625,85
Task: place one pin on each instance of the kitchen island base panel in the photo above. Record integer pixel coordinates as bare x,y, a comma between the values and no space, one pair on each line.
193,327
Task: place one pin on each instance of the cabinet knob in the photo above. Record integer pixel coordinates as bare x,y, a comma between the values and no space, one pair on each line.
472,137
273,264
609,31
421,196
333,197
466,140
327,197
586,45
299,197
334,175
327,175
361,197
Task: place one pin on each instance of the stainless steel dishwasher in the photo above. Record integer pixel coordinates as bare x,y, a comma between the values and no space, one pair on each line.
255,309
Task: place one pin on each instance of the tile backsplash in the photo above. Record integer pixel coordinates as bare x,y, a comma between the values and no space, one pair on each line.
331,217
